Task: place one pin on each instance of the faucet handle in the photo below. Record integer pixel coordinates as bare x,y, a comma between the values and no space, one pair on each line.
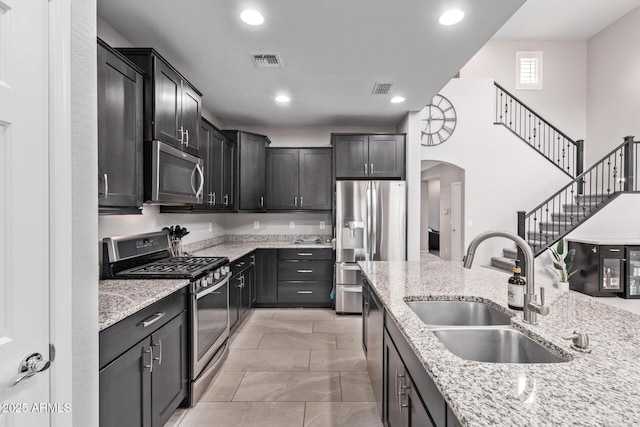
541,295
580,341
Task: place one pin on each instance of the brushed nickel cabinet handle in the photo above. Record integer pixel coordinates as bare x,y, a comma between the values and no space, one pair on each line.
153,319
106,185
305,271
304,292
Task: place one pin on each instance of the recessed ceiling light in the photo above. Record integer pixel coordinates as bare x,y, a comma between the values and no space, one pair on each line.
283,99
252,17
451,17
397,99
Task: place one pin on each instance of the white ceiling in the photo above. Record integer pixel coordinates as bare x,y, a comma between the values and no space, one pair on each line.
333,51
563,19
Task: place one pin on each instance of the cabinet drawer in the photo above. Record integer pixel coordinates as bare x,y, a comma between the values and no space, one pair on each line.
118,338
306,253
319,271
304,292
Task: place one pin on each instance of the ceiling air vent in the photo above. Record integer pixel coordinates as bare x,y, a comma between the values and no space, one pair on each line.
266,60
381,88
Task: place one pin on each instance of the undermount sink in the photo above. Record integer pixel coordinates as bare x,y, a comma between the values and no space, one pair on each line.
495,345
458,313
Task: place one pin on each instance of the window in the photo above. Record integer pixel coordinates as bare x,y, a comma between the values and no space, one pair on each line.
528,70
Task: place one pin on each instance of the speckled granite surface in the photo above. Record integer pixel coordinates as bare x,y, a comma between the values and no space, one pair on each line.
597,389
236,250
121,298
606,240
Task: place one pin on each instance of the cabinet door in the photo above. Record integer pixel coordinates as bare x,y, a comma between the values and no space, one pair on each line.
611,268
119,132
167,105
315,179
206,153
282,179
216,169
228,174
386,156
394,375
251,172
375,352
191,113
125,388
234,300
266,276
416,414
351,156
246,291
169,378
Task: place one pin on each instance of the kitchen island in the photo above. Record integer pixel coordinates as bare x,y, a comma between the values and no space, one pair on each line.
595,389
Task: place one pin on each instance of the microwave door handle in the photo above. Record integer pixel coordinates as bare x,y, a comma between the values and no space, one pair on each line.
201,172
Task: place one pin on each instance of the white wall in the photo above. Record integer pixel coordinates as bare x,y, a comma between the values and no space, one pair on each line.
110,36
613,86
563,98
424,216
499,168
618,220
410,124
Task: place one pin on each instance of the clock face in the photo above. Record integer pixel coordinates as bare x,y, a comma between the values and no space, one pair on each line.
438,121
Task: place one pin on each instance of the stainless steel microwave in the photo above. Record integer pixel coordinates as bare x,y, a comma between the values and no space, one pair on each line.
176,177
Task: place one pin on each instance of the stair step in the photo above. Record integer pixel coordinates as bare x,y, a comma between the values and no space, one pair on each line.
542,237
511,253
503,263
568,216
592,198
582,209
558,226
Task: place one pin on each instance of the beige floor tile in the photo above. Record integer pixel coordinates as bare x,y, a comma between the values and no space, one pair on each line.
338,326
223,387
245,341
298,341
349,341
265,326
304,314
356,387
267,360
176,418
245,414
341,414
337,360
289,386
262,313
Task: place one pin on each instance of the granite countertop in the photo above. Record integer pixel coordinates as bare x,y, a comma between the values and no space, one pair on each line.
118,299
606,240
236,250
596,389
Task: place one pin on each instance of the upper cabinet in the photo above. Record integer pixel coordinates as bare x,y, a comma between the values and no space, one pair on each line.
369,156
120,109
217,151
299,179
172,107
250,166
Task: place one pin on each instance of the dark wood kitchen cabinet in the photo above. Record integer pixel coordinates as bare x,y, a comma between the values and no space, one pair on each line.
144,384
250,189
242,289
379,156
299,179
600,269
120,110
266,277
305,277
172,106
217,151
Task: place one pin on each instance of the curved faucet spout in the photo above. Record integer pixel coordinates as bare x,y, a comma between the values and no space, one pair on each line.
531,307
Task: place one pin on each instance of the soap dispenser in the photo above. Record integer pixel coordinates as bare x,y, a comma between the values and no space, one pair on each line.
516,288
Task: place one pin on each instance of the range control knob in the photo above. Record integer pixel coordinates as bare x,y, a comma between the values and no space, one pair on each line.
216,274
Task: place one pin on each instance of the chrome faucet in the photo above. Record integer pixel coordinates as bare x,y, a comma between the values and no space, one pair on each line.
531,307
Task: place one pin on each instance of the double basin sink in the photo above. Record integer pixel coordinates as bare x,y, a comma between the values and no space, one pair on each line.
477,331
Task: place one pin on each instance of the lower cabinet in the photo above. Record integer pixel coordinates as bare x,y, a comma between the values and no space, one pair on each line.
305,277
241,289
145,384
266,272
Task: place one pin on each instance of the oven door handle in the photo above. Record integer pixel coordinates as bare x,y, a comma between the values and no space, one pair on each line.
214,288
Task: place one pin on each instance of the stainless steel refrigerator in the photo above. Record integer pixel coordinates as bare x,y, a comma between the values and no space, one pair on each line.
370,226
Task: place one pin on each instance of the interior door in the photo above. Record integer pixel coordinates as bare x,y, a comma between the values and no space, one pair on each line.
456,221
24,213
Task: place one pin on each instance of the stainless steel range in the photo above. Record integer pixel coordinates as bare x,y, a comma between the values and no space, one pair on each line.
148,256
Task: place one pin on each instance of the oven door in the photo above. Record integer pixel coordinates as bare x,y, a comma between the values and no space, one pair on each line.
177,177
210,328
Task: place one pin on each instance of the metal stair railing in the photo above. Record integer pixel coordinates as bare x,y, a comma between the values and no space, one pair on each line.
565,153
580,199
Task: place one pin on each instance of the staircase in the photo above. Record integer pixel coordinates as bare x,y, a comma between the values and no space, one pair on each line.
586,194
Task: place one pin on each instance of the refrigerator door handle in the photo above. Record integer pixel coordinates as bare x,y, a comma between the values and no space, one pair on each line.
368,218
374,220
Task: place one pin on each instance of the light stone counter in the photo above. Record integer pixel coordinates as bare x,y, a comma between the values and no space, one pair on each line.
236,250
597,389
118,299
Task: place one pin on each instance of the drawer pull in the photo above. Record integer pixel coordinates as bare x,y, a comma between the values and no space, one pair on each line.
305,271
614,250
305,254
304,292
153,319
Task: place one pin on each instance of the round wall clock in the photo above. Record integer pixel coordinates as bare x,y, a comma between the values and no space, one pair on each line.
438,121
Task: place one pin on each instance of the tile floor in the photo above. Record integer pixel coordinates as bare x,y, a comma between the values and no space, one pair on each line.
290,367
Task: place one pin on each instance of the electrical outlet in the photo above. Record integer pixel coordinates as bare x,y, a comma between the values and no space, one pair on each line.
292,224
210,226
470,223
256,225
322,225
